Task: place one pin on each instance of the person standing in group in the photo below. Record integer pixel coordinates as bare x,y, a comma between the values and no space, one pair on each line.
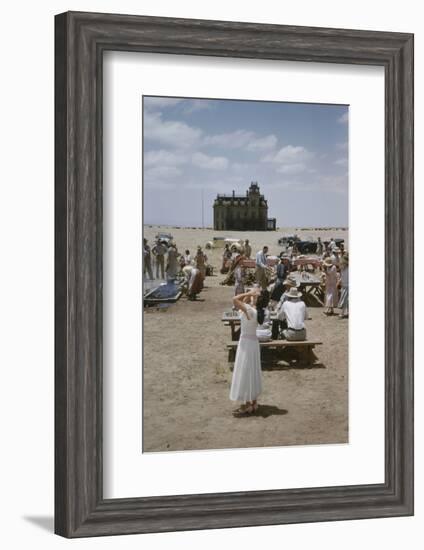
344,281
172,262
246,384
335,256
320,247
226,257
187,257
261,268
147,260
201,260
331,279
159,251
331,244
247,249
282,270
239,274
293,311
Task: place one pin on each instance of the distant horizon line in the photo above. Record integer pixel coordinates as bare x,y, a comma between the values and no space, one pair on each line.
317,228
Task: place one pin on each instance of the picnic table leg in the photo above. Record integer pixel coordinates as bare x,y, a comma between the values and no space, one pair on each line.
307,356
231,355
235,333
312,357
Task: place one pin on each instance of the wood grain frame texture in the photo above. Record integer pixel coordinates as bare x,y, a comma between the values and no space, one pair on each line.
80,40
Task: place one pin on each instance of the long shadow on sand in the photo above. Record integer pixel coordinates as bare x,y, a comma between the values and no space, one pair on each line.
292,365
282,366
264,411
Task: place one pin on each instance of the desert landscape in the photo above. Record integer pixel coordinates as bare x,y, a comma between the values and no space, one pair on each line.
187,376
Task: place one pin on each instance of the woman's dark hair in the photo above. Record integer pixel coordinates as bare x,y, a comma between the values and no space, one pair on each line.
261,303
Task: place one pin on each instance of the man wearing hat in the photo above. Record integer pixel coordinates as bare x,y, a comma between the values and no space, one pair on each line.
279,323
293,311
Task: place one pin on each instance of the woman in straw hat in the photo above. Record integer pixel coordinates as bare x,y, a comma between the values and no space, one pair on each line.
344,282
331,280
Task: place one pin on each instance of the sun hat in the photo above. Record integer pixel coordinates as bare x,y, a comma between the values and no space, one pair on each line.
293,293
336,249
290,281
328,262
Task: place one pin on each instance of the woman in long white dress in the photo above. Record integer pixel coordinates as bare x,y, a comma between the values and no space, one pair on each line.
246,384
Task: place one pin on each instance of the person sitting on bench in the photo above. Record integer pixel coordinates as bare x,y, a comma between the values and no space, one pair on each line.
293,310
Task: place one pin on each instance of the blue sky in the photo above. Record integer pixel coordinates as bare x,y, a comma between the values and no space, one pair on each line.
297,152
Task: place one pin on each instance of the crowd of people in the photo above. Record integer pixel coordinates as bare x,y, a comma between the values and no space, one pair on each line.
273,309
171,264
333,269
282,297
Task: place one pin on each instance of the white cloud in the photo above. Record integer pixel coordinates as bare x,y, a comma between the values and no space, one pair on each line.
163,158
291,169
170,132
153,103
210,163
262,144
290,154
230,140
155,173
344,118
160,102
290,159
195,105
242,139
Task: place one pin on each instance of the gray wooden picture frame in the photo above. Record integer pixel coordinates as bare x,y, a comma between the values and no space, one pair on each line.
80,40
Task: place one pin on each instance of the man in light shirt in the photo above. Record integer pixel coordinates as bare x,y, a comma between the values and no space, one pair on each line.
159,251
293,311
261,267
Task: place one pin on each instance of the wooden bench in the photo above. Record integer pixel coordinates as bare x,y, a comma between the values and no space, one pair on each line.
303,349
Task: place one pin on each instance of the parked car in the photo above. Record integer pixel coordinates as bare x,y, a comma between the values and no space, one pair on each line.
307,246
164,238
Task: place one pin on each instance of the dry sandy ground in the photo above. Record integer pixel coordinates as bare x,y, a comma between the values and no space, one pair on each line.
187,376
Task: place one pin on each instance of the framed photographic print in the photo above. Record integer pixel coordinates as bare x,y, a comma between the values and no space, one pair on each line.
234,274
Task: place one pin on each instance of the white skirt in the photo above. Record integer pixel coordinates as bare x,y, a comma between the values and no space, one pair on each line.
246,384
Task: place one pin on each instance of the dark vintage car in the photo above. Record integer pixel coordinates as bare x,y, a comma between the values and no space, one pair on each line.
165,238
304,246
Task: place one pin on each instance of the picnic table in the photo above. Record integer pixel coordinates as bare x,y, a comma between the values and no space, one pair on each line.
272,261
309,284
232,319
303,350
251,262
